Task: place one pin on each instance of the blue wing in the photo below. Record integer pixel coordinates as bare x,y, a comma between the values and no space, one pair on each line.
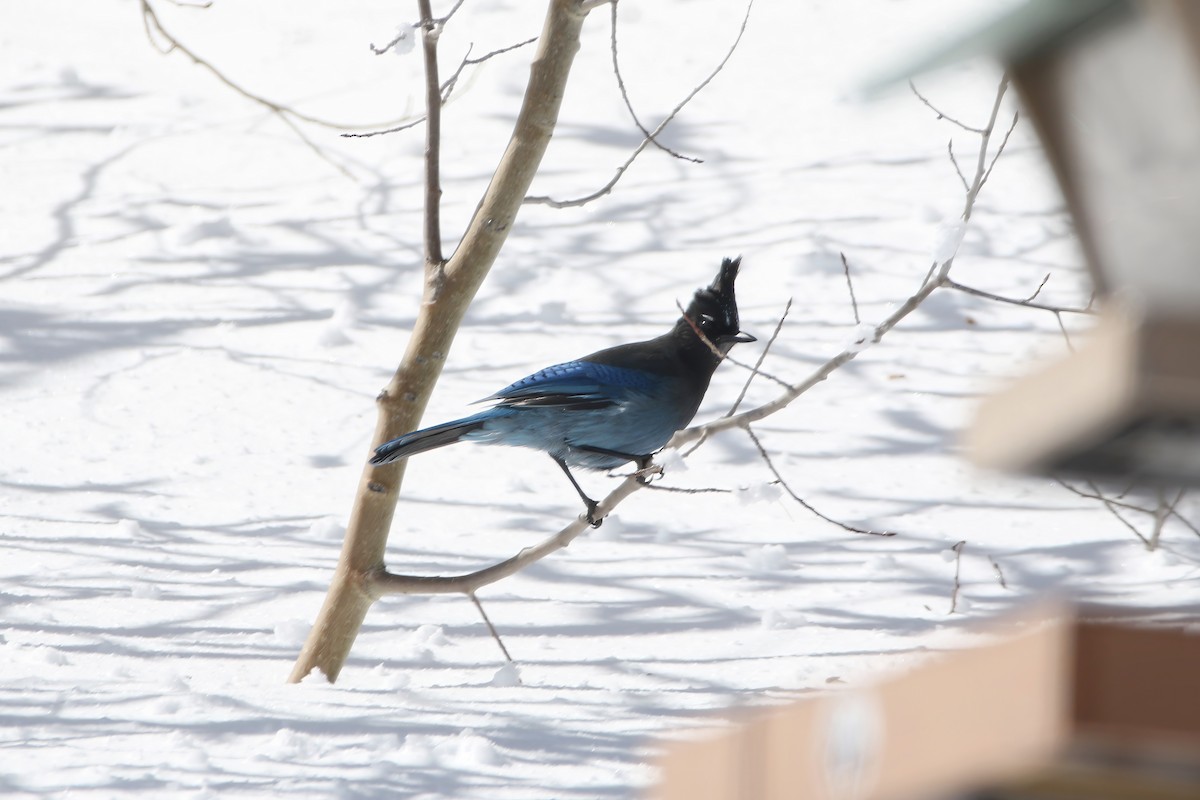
575,385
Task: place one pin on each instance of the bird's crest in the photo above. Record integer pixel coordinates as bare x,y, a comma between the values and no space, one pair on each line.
714,309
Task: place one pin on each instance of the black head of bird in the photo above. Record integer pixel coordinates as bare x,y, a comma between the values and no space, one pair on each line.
713,312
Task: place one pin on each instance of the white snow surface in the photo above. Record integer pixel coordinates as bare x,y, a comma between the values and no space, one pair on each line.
197,310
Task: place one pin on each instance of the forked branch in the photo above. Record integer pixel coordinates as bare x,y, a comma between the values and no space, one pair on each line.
450,287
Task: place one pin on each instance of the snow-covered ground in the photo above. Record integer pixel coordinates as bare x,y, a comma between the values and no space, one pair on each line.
197,310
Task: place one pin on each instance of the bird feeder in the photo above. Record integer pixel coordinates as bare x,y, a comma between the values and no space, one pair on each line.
1113,89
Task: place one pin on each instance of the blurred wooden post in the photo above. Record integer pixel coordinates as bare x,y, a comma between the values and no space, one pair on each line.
1067,710
1116,101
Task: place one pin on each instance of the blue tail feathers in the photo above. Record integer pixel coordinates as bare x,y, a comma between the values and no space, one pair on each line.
428,438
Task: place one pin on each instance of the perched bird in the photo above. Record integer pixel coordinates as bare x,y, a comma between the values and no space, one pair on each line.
617,405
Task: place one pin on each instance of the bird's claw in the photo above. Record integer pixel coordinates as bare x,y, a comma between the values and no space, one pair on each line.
592,519
648,471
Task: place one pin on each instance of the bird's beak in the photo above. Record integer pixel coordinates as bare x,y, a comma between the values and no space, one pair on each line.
742,337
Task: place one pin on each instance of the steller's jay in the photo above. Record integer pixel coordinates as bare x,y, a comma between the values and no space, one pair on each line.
616,405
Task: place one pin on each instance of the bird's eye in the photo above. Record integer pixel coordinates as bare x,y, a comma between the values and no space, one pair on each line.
707,319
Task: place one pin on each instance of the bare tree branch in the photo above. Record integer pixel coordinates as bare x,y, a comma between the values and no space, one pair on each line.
154,29
1062,327
766,457
433,142
941,114
447,88
403,33
850,286
1112,506
442,20
1041,286
756,369
658,487
467,61
985,137
716,351
383,582
1028,302
1004,143
999,573
957,169
355,582
608,187
412,123
625,96
1160,513
958,551
492,629
754,372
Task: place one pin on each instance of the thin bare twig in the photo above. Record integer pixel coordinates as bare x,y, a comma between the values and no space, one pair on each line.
629,105
658,487
766,457
985,138
608,187
1041,286
499,51
941,114
1161,511
1182,519
1112,506
1028,302
999,573
1096,494
433,140
756,369
957,169
154,28
930,274
754,372
850,286
1167,510
394,129
447,88
1062,327
442,20
452,81
1003,144
958,551
492,629
403,33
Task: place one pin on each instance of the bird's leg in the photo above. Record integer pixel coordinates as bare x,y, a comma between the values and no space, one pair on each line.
587,501
643,462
